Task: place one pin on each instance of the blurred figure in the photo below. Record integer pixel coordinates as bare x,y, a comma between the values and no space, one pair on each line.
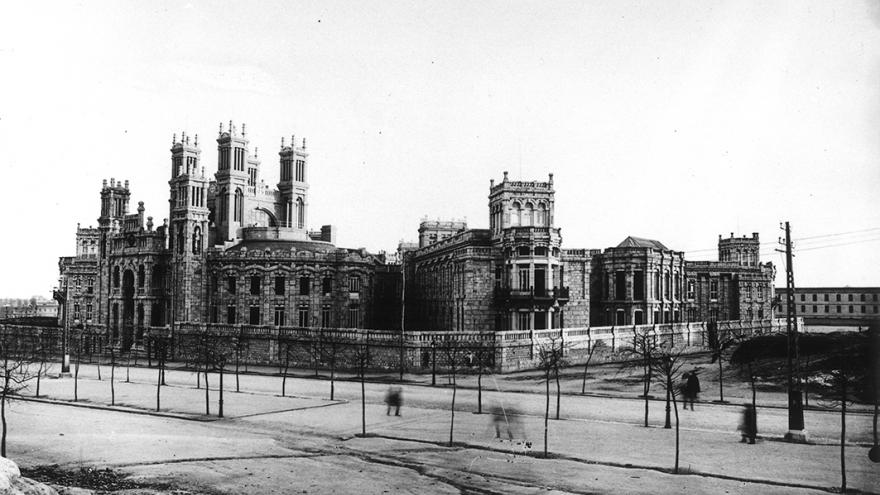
394,398
691,388
506,421
748,425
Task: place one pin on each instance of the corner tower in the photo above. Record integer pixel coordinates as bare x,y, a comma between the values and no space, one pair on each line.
294,185
187,228
529,275
744,251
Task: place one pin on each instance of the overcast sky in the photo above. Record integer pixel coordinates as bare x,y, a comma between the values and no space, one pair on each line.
677,121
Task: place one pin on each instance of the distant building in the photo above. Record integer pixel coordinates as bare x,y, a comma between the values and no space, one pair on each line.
848,306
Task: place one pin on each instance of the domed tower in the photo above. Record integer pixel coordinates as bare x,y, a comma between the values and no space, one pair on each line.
529,274
294,185
233,164
188,226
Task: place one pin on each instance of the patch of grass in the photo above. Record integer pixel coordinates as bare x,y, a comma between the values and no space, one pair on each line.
103,480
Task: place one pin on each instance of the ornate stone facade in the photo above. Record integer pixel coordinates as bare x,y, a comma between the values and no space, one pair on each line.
232,250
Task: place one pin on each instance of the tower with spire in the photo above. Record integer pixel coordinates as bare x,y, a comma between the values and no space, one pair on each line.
188,228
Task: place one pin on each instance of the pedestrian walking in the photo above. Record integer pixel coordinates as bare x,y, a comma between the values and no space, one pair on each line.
691,388
394,398
748,425
505,420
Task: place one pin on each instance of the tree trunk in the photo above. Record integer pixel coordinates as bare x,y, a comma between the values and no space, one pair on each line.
220,403
128,369
720,379
158,384
452,419
480,390
332,378
646,386
843,438
112,380
3,420
668,424
237,364
584,381
198,377
98,361
675,405
207,392
556,372
363,405
3,412
39,374
546,409
76,380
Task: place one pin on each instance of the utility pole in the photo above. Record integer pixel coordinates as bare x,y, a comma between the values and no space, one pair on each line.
796,432
402,307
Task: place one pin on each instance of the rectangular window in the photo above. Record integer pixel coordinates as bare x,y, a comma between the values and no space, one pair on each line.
849,297
303,316
91,287
354,284
815,309
838,297
213,316
638,285
524,279
803,297
748,292
850,308
325,316
303,287
691,290
803,308
838,308
230,314
619,285
279,316
656,286
353,316
524,321
499,271
713,289
826,308
863,309
875,309
814,298
760,313
327,286
254,315
255,285
89,311
230,284
76,311
279,285
862,297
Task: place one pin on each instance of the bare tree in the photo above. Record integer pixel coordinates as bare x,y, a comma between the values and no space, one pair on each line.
286,348
43,349
361,354
667,364
17,359
112,376
160,344
643,351
218,349
241,347
482,356
550,359
331,344
720,343
599,344
453,352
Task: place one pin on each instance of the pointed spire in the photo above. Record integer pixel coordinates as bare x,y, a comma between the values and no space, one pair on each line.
293,140
304,143
256,151
243,130
173,139
221,129
197,141
282,142
231,129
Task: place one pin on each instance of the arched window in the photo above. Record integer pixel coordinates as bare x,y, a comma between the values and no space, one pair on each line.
514,214
224,206
541,216
180,243
528,217
197,240
115,276
239,206
300,213
141,276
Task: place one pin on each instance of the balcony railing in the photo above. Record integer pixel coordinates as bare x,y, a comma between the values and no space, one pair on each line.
532,295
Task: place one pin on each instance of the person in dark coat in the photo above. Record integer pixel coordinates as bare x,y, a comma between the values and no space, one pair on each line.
691,389
394,398
748,425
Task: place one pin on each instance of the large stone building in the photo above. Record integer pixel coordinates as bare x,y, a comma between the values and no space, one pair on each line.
233,250
845,306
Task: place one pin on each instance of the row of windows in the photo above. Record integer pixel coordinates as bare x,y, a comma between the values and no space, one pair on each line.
862,297
851,309
77,313
302,316
90,284
305,283
300,170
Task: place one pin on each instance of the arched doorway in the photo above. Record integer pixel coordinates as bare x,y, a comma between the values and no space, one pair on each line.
127,309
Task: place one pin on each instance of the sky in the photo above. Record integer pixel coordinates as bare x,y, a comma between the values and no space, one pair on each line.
676,121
